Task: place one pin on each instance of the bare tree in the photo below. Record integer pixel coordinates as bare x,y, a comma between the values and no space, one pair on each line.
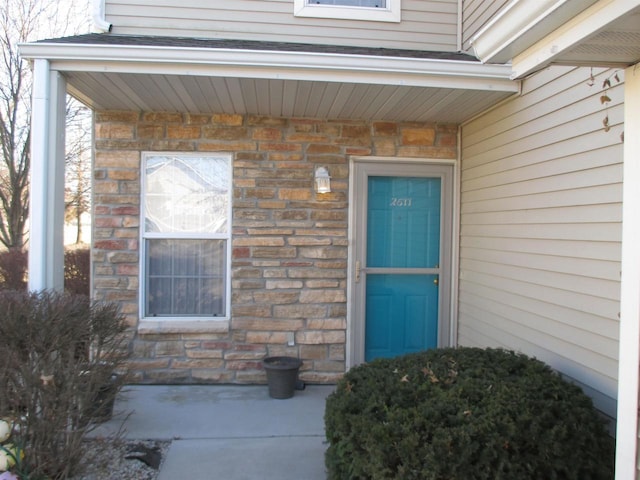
23,21
78,166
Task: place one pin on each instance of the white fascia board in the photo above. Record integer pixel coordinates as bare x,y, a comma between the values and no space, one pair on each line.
520,24
281,65
586,24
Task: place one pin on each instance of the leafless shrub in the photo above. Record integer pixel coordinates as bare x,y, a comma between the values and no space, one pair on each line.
62,362
77,269
13,269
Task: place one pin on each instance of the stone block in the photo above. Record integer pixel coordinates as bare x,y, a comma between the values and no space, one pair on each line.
337,352
259,120
243,365
326,324
329,366
316,337
385,129
257,355
283,284
267,337
267,133
183,132
252,241
169,348
162,117
251,377
200,353
209,363
261,311
259,193
276,297
313,352
222,146
227,119
196,119
299,311
284,351
308,241
323,296
116,116
224,133
274,252
267,324
323,252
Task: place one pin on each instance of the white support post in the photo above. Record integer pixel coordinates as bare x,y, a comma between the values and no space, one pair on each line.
46,210
629,358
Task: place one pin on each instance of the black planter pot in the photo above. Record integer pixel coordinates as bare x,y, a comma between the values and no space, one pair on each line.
282,375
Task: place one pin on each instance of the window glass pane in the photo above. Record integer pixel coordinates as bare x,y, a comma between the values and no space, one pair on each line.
185,277
186,194
351,3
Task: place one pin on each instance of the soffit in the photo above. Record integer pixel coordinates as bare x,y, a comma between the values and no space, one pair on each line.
533,34
281,80
605,35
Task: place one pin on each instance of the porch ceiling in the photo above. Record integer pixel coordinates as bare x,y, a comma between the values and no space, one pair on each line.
275,80
279,98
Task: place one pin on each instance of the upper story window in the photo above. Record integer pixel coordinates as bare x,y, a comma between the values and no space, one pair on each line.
373,10
186,235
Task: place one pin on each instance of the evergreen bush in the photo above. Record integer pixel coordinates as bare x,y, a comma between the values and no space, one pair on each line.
464,414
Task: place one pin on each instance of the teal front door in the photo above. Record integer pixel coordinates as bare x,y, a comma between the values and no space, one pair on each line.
400,259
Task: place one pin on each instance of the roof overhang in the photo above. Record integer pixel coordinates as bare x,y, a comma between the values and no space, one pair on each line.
520,24
535,33
607,34
121,76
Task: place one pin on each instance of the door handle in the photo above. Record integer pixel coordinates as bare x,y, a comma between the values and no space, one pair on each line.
358,268
436,281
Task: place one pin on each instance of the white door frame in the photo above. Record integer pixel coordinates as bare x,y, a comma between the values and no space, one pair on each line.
446,326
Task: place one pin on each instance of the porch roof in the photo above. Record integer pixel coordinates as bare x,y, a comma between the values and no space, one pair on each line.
118,72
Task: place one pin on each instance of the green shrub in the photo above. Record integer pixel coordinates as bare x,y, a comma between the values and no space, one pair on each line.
463,414
58,357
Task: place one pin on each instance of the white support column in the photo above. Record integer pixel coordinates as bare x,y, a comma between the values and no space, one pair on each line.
46,210
629,359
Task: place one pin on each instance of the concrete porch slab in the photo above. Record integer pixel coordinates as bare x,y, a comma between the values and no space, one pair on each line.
227,431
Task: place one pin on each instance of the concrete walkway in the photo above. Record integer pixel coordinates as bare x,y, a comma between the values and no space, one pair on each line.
228,432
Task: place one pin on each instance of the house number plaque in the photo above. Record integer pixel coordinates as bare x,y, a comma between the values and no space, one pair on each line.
400,202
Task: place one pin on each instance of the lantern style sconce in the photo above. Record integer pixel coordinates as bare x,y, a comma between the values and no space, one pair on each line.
323,180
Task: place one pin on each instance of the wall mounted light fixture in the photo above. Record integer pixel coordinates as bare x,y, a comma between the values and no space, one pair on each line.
323,180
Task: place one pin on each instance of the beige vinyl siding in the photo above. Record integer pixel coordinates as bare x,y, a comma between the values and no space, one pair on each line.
541,193
425,25
475,15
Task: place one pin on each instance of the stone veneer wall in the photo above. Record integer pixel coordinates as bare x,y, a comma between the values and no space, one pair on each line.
289,267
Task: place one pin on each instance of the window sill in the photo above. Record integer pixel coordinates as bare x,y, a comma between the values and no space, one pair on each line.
151,327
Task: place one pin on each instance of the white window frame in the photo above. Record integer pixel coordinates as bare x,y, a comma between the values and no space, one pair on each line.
392,12
146,320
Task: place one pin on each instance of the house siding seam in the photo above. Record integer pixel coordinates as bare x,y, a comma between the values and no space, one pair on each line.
541,213
289,260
